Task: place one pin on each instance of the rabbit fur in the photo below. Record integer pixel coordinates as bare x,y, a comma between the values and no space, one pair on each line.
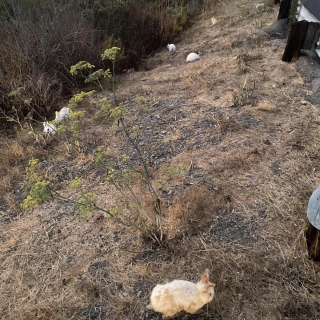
49,128
171,47
63,113
192,57
178,295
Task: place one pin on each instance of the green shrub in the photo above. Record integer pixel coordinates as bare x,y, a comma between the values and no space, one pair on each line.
85,203
173,171
75,184
33,174
39,188
78,98
38,194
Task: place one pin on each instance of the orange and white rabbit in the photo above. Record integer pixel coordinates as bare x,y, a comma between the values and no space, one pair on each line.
63,113
49,129
178,295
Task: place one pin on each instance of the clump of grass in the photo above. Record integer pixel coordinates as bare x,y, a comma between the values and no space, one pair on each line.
266,106
174,170
192,212
245,94
13,156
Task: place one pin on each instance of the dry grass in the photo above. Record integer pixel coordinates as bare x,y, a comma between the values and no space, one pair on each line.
191,212
266,106
238,207
13,156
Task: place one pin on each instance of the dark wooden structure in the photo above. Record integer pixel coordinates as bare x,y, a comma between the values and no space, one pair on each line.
313,242
284,12
295,41
302,35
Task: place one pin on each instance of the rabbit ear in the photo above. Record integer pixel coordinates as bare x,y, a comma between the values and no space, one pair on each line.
211,285
57,114
205,276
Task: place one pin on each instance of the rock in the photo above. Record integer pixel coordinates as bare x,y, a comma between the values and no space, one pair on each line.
313,211
279,29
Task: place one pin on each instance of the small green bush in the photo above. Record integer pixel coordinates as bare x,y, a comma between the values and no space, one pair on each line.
78,98
38,194
33,174
100,157
85,204
174,171
75,184
38,188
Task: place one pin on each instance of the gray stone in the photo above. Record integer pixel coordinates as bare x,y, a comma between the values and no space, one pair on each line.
309,69
313,211
279,29
315,83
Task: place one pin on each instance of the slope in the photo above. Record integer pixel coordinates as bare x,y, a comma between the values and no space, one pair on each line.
238,126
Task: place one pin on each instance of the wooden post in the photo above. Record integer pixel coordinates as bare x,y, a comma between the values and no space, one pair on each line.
295,41
284,11
312,36
313,242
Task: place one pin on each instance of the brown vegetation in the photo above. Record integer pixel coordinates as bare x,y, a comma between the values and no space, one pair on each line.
41,40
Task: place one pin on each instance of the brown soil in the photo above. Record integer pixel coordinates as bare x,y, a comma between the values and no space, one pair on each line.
238,120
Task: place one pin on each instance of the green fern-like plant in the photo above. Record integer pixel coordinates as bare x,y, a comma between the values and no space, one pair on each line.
62,129
38,186
39,193
97,75
114,54
134,132
27,101
74,129
116,210
100,157
85,203
79,67
173,171
33,174
75,184
17,92
104,110
77,115
78,98
117,112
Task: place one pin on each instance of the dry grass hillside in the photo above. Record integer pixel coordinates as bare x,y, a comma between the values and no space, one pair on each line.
233,149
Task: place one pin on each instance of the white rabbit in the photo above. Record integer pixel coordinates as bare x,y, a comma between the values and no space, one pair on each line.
260,6
171,47
192,57
178,295
49,128
63,113
214,21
